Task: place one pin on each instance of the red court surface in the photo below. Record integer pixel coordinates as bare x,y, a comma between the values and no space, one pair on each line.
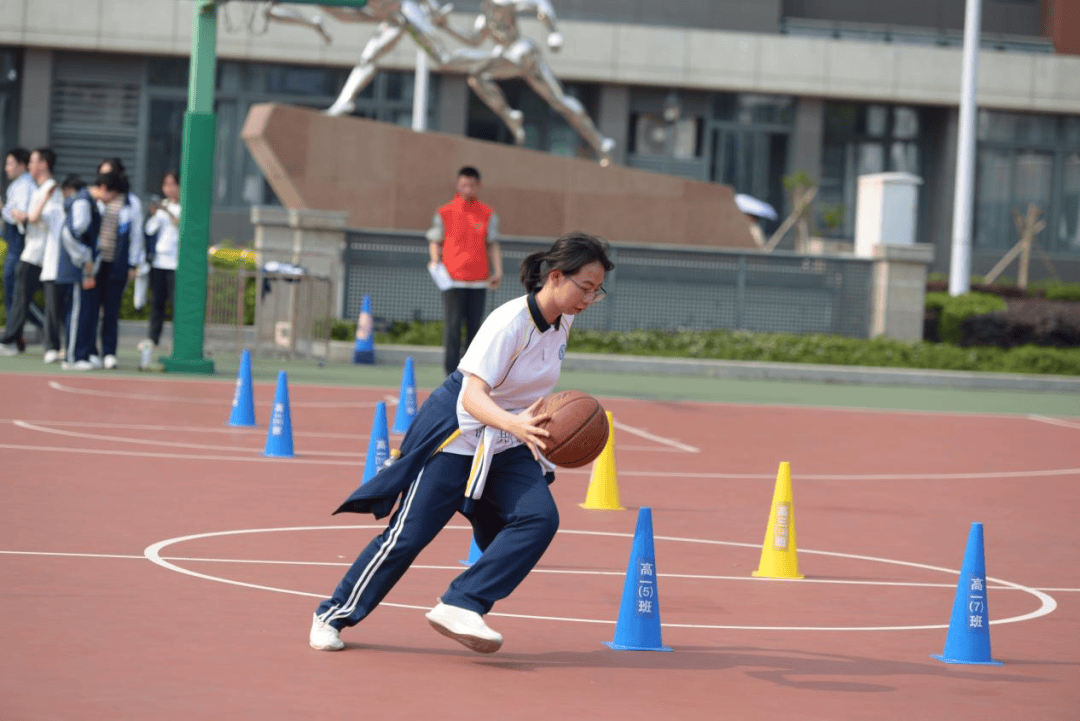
156,566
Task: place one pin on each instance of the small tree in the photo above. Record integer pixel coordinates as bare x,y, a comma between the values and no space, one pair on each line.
802,187
832,217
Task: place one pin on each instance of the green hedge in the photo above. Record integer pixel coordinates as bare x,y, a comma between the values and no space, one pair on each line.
738,345
951,311
1060,291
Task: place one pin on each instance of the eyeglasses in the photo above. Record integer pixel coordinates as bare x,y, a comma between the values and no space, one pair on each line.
591,296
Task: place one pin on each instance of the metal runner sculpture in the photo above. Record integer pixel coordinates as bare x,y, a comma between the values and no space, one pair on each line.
512,55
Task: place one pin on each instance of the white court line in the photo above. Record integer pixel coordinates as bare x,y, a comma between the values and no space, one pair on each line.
214,401
166,444
864,476
1054,421
652,437
538,569
233,430
173,379
1047,603
299,458
648,474
184,429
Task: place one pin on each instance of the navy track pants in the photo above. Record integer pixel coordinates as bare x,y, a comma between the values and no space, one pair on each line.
513,523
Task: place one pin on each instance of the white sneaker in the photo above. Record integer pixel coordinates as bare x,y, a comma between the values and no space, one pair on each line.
51,356
464,626
95,362
9,349
110,362
82,365
323,636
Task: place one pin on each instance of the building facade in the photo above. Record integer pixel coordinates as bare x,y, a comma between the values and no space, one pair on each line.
740,92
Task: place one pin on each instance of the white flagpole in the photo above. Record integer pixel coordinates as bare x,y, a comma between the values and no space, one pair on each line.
420,86
960,262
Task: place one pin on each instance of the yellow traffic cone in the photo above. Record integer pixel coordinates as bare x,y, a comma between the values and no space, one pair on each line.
778,554
604,484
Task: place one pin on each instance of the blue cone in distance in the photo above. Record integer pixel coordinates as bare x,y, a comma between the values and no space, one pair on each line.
968,640
406,408
364,350
474,554
279,433
378,444
243,404
638,627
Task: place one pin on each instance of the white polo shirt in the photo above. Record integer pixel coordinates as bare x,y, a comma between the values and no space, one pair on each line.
519,355
37,233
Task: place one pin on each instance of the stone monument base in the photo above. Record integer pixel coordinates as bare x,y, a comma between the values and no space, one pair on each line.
385,176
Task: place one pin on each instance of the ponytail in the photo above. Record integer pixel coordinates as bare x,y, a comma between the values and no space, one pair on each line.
568,254
530,271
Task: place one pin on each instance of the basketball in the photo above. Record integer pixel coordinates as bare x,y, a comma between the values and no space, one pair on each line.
578,428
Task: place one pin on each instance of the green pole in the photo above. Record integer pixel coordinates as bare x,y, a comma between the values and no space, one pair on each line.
196,198
197,191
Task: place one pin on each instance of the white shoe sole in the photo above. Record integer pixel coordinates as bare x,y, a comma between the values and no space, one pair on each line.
326,648
473,643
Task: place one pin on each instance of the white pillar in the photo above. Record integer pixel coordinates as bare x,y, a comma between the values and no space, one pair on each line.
420,86
960,262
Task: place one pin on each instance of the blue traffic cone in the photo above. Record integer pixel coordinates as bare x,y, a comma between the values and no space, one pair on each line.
364,350
243,405
474,554
969,628
638,627
378,449
279,433
406,408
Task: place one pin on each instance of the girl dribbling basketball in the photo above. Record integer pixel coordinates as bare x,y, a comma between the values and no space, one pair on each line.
475,447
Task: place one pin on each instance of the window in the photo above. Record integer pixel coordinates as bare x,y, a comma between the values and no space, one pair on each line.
163,145
861,139
9,98
1027,159
1068,225
167,72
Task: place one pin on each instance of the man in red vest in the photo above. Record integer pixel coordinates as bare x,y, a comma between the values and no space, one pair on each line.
464,238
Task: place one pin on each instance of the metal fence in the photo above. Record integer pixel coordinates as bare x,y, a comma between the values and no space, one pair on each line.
276,314
650,287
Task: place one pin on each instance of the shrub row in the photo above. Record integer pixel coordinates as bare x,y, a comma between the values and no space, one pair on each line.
951,311
1006,288
739,345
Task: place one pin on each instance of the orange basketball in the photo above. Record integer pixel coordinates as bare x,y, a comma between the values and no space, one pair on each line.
578,428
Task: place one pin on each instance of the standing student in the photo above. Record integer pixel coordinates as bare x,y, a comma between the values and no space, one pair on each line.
475,447
84,224
120,250
162,232
28,271
58,271
464,238
16,206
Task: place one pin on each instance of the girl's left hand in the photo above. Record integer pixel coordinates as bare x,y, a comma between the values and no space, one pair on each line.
526,427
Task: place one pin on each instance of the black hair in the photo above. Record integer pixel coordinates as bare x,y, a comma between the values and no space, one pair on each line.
116,164
73,182
174,174
112,181
469,172
568,254
48,156
21,155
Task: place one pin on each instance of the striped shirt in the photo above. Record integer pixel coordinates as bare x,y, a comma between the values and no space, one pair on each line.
107,235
